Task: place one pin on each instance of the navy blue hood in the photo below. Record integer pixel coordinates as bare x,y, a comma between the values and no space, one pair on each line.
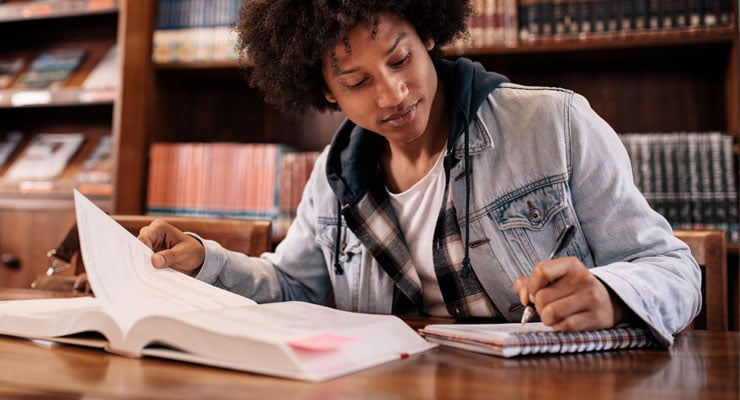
353,160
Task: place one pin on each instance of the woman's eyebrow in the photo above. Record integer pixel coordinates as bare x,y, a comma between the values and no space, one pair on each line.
395,43
401,36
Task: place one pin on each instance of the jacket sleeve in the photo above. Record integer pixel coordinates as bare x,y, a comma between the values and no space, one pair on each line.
634,249
295,271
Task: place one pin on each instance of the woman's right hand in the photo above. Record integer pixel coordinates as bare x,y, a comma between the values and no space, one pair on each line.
172,247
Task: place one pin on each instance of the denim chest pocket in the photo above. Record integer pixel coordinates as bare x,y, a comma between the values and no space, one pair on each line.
350,246
531,222
532,210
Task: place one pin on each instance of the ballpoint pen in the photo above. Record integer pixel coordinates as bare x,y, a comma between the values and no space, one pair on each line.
560,243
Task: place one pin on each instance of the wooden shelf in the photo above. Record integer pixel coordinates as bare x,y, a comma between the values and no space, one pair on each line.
46,9
194,65
55,97
648,39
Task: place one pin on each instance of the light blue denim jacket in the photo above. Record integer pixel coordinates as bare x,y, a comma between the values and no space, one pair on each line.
540,158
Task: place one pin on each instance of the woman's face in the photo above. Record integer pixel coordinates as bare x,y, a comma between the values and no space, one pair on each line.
384,82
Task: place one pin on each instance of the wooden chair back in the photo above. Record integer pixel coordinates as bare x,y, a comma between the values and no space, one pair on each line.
251,237
709,247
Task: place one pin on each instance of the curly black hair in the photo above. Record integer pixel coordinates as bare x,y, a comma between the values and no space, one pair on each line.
284,41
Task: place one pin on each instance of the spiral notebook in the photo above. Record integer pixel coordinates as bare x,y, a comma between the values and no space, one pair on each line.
514,339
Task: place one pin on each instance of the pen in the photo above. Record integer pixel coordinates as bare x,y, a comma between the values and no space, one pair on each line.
560,243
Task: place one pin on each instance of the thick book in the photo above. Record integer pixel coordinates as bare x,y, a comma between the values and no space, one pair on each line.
514,339
143,311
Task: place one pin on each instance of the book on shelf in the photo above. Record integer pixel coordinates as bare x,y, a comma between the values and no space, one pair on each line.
688,177
45,157
515,339
143,311
569,19
96,172
195,31
51,68
9,142
10,68
106,74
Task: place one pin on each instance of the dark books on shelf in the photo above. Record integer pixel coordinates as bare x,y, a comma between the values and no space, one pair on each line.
514,339
51,68
688,177
545,19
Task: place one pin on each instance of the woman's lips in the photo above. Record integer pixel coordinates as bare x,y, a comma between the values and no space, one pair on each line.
404,117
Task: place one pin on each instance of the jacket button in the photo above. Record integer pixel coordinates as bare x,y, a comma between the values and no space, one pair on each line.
534,215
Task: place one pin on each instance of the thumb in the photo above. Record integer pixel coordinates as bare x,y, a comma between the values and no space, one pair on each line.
159,260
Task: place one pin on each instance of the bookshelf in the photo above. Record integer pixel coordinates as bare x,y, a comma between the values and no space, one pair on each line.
36,217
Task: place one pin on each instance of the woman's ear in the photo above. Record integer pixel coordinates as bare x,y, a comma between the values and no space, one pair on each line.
430,44
329,97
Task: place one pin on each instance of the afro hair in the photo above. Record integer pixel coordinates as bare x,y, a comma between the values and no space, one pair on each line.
283,42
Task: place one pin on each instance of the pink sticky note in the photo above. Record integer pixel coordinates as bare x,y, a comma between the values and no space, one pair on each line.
322,342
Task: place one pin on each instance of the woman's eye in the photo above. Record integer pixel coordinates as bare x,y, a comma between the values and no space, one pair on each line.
402,61
357,85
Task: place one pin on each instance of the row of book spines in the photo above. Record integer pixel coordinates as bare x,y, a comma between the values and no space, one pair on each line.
546,18
689,178
494,22
227,179
181,14
194,45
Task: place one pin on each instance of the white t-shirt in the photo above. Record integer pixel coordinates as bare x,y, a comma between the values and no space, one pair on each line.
417,210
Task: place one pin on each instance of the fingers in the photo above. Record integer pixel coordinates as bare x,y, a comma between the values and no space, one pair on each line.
567,295
172,247
185,256
159,235
546,272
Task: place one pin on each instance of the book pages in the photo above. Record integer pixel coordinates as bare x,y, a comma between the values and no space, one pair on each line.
122,277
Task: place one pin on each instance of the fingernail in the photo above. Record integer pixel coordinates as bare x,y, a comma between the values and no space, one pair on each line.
157,260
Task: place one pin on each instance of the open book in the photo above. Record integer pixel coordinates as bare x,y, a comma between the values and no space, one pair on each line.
143,311
515,339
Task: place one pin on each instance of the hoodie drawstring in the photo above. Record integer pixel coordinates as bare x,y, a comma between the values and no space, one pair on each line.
466,259
338,270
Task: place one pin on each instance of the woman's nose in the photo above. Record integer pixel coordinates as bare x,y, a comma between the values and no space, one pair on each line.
391,91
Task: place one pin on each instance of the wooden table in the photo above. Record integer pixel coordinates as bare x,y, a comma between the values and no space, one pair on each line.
701,364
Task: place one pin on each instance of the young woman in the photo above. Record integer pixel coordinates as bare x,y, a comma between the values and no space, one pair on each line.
446,187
